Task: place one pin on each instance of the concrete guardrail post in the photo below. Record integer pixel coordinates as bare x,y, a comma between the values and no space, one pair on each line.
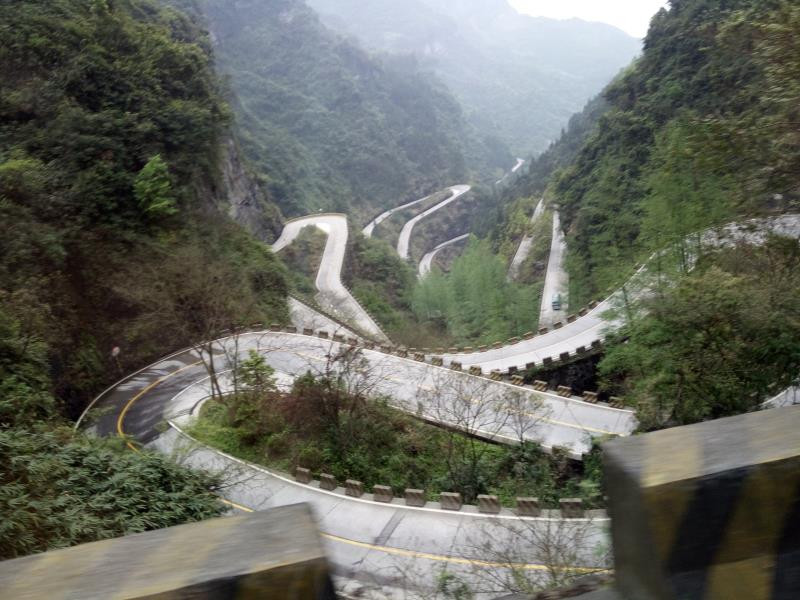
543,330
419,357
437,361
353,488
583,312
517,380
497,345
539,385
513,340
386,349
456,366
323,335
483,348
564,391
530,365
596,344
558,325
529,335
275,327
415,497
327,482
402,352
450,501
572,318
489,504
590,397
352,341
616,402
308,331
496,375
592,304
571,508
302,475
382,493
338,338
475,370
563,357
290,329
580,350
528,507
547,361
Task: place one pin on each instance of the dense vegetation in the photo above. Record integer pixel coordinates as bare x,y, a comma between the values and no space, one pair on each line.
718,342
111,133
703,128
383,283
475,303
330,126
330,423
519,78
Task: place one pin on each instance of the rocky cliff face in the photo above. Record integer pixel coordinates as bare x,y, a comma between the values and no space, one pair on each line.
244,198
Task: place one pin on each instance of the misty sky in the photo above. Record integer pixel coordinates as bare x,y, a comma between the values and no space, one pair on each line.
632,16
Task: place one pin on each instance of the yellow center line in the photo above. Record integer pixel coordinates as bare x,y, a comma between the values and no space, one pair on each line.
341,540
132,401
434,557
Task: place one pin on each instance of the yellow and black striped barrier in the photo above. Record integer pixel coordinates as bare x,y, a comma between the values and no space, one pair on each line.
708,511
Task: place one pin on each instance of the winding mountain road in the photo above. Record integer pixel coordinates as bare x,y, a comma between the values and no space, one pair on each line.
427,260
332,295
514,169
370,228
373,542
405,234
394,544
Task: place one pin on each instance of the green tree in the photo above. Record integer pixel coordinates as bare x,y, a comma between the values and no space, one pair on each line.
153,190
716,342
58,488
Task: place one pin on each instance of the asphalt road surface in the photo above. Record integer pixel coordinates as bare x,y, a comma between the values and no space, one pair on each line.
427,260
332,295
525,245
593,326
556,281
386,544
368,230
405,234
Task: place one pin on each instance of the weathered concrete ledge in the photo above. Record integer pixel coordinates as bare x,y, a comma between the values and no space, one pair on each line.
272,554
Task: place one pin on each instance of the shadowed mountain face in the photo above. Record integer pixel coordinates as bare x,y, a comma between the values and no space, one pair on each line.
331,126
517,76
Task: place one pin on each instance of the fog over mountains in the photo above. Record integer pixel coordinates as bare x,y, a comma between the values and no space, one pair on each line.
517,76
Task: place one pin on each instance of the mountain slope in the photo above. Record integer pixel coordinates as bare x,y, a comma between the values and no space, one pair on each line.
701,130
332,127
115,167
517,76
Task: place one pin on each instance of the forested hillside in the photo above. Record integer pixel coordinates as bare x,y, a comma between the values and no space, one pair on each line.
113,141
700,131
331,126
518,77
